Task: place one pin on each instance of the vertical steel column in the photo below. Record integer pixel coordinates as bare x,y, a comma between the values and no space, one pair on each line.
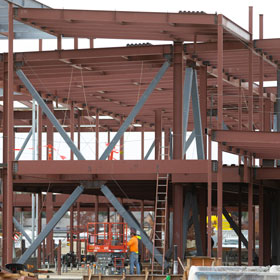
59,258
97,135
250,215
142,220
250,72
239,224
166,143
76,43
277,104
122,143
79,130
267,114
261,77
158,134
220,71
40,45
49,134
78,245
96,209
177,191
202,218
71,228
49,215
39,257
220,201
261,225
91,43
8,145
240,106
142,142
203,103
59,42
209,203
40,131
72,128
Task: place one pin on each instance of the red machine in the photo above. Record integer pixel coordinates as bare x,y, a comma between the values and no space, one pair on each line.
77,231
108,243
107,237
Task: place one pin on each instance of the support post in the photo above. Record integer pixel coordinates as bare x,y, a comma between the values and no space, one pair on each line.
250,216
177,192
49,216
158,134
261,225
8,145
250,72
72,127
186,215
142,142
203,103
97,134
261,78
135,110
49,114
49,227
209,203
220,71
220,201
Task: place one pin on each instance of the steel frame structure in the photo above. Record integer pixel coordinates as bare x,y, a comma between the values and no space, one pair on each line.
92,83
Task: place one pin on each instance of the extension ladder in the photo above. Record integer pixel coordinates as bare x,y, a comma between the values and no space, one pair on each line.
160,220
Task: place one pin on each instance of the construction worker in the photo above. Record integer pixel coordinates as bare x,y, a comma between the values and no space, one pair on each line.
133,249
139,249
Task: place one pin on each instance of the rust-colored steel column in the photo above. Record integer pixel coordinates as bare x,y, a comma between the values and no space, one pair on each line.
261,225
44,251
177,189
59,42
220,70
250,72
202,217
49,134
8,145
59,258
209,203
40,45
49,215
40,132
267,114
166,143
239,224
250,216
203,103
122,143
96,209
158,133
142,142
76,43
142,225
78,245
261,78
72,127
97,135
220,201
79,130
240,106
71,228
39,258
91,43
267,227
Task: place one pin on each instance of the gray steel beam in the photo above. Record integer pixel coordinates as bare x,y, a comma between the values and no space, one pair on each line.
150,150
198,240
187,90
197,118
20,228
24,145
135,110
189,141
49,114
52,223
131,222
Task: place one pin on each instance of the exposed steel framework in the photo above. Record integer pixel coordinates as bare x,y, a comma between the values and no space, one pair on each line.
236,109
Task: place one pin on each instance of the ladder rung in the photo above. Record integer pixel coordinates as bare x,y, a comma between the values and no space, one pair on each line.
161,192
162,177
